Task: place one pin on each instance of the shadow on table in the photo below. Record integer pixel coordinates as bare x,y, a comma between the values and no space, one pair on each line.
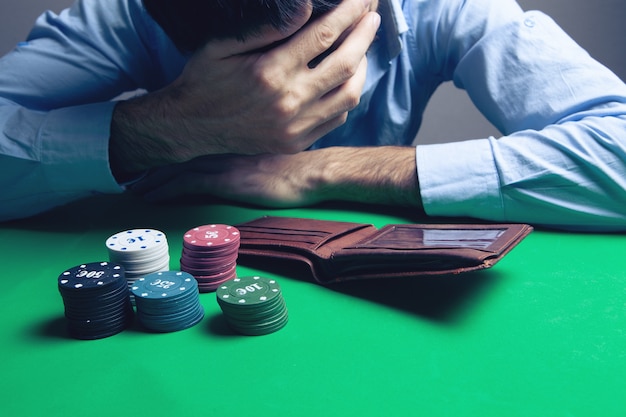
442,299
438,298
54,328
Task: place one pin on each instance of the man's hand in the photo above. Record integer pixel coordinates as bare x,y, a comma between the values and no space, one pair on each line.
243,98
380,175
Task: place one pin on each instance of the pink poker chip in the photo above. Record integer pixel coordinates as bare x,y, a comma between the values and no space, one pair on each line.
206,270
204,264
215,252
210,254
211,236
210,283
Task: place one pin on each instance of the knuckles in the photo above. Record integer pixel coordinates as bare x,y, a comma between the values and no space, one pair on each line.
352,99
346,69
325,35
268,78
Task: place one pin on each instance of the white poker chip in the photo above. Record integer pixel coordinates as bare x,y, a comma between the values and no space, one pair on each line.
141,271
136,243
140,251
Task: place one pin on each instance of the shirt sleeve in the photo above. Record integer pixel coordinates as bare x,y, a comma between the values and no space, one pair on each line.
561,161
56,101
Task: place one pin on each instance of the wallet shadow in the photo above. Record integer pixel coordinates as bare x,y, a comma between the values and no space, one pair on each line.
440,298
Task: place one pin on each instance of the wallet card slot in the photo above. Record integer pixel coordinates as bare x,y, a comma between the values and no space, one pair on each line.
302,234
274,235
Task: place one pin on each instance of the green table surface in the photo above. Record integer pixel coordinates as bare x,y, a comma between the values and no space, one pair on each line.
542,333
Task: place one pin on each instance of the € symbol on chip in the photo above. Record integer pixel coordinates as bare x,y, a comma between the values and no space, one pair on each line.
241,291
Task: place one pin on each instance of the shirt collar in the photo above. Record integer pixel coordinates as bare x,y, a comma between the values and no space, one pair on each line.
394,25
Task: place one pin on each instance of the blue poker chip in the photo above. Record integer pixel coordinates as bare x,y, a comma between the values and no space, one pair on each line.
96,300
164,285
172,322
167,301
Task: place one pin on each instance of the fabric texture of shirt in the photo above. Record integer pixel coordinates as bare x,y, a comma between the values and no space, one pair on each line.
560,161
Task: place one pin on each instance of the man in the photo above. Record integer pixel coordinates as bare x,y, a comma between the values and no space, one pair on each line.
233,116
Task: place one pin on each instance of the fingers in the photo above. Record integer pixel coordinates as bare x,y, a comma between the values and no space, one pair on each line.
346,95
334,87
338,103
320,35
353,48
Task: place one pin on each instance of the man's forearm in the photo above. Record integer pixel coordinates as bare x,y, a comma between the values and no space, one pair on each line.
378,175
146,133
131,143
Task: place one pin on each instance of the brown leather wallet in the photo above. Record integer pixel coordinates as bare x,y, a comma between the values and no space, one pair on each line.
341,251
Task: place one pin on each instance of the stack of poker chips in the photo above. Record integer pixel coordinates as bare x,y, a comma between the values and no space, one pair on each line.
140,252
210,254
96,300
253,305
167,301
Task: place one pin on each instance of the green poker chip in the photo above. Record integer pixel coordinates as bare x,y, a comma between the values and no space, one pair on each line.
253,305
248,291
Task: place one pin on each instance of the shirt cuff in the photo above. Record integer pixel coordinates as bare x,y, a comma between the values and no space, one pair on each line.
75,149
459,179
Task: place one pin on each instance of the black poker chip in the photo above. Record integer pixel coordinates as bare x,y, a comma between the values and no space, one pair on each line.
96,300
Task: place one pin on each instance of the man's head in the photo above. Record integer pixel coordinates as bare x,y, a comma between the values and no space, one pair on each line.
191,23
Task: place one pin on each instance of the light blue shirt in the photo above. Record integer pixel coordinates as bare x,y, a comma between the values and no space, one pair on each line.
561,160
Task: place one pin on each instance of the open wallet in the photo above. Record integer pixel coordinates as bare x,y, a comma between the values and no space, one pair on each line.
340,251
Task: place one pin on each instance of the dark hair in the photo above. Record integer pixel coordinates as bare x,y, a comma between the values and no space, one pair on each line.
192,23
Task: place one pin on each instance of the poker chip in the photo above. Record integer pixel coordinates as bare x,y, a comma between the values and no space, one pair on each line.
167,301
96,300
210,254
252,305
140,252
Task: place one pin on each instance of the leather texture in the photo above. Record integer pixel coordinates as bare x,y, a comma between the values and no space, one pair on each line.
339,251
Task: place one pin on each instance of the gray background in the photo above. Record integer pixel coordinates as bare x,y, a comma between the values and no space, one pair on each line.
599,26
